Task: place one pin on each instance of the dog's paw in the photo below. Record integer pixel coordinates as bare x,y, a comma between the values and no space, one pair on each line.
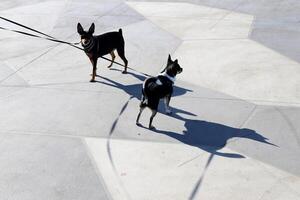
92,81
124,72
138,124
151,127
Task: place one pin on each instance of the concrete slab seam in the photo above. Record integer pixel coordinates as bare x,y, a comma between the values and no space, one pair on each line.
288,121
105,14
27,64
105,187
225,15
248,118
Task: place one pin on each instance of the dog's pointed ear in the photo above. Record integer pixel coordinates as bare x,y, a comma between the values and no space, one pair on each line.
176,61
169,59
162,71
92,28
79,28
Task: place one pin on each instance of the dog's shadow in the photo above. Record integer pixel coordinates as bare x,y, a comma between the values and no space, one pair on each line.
208,136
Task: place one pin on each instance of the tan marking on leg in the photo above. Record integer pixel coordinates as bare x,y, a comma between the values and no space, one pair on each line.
113,56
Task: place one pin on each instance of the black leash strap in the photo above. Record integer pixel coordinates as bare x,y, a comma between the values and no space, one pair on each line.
50,38
37,36
123,66
26,27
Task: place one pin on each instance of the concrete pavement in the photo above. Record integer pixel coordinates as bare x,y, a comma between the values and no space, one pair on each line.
234,131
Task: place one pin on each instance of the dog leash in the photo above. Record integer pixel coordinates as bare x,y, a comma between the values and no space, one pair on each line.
50,38
37,36
145,74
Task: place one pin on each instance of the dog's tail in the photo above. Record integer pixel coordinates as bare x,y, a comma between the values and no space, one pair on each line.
120,31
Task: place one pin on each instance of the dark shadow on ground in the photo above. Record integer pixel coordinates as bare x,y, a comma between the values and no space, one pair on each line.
210,136
135,90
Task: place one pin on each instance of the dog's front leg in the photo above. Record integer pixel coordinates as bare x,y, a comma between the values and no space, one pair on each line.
94,63
167,102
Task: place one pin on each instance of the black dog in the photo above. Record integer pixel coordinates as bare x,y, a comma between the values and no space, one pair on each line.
155,88
96,46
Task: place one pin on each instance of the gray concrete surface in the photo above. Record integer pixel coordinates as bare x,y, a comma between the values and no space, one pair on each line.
234,132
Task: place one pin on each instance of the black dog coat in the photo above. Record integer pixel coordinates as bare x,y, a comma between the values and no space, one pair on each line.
156,88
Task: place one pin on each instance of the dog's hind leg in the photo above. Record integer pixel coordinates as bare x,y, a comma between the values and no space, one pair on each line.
151,118
142,107
113,56
121,53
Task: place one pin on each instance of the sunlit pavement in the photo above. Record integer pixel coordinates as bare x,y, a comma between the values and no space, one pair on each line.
234,132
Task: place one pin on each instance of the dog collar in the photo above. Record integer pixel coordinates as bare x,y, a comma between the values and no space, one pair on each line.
172,79
89,46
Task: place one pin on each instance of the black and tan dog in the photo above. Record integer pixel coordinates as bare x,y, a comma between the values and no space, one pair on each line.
156,88
100,45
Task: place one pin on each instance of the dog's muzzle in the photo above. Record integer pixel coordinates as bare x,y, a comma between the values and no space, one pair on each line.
179,71
84,41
